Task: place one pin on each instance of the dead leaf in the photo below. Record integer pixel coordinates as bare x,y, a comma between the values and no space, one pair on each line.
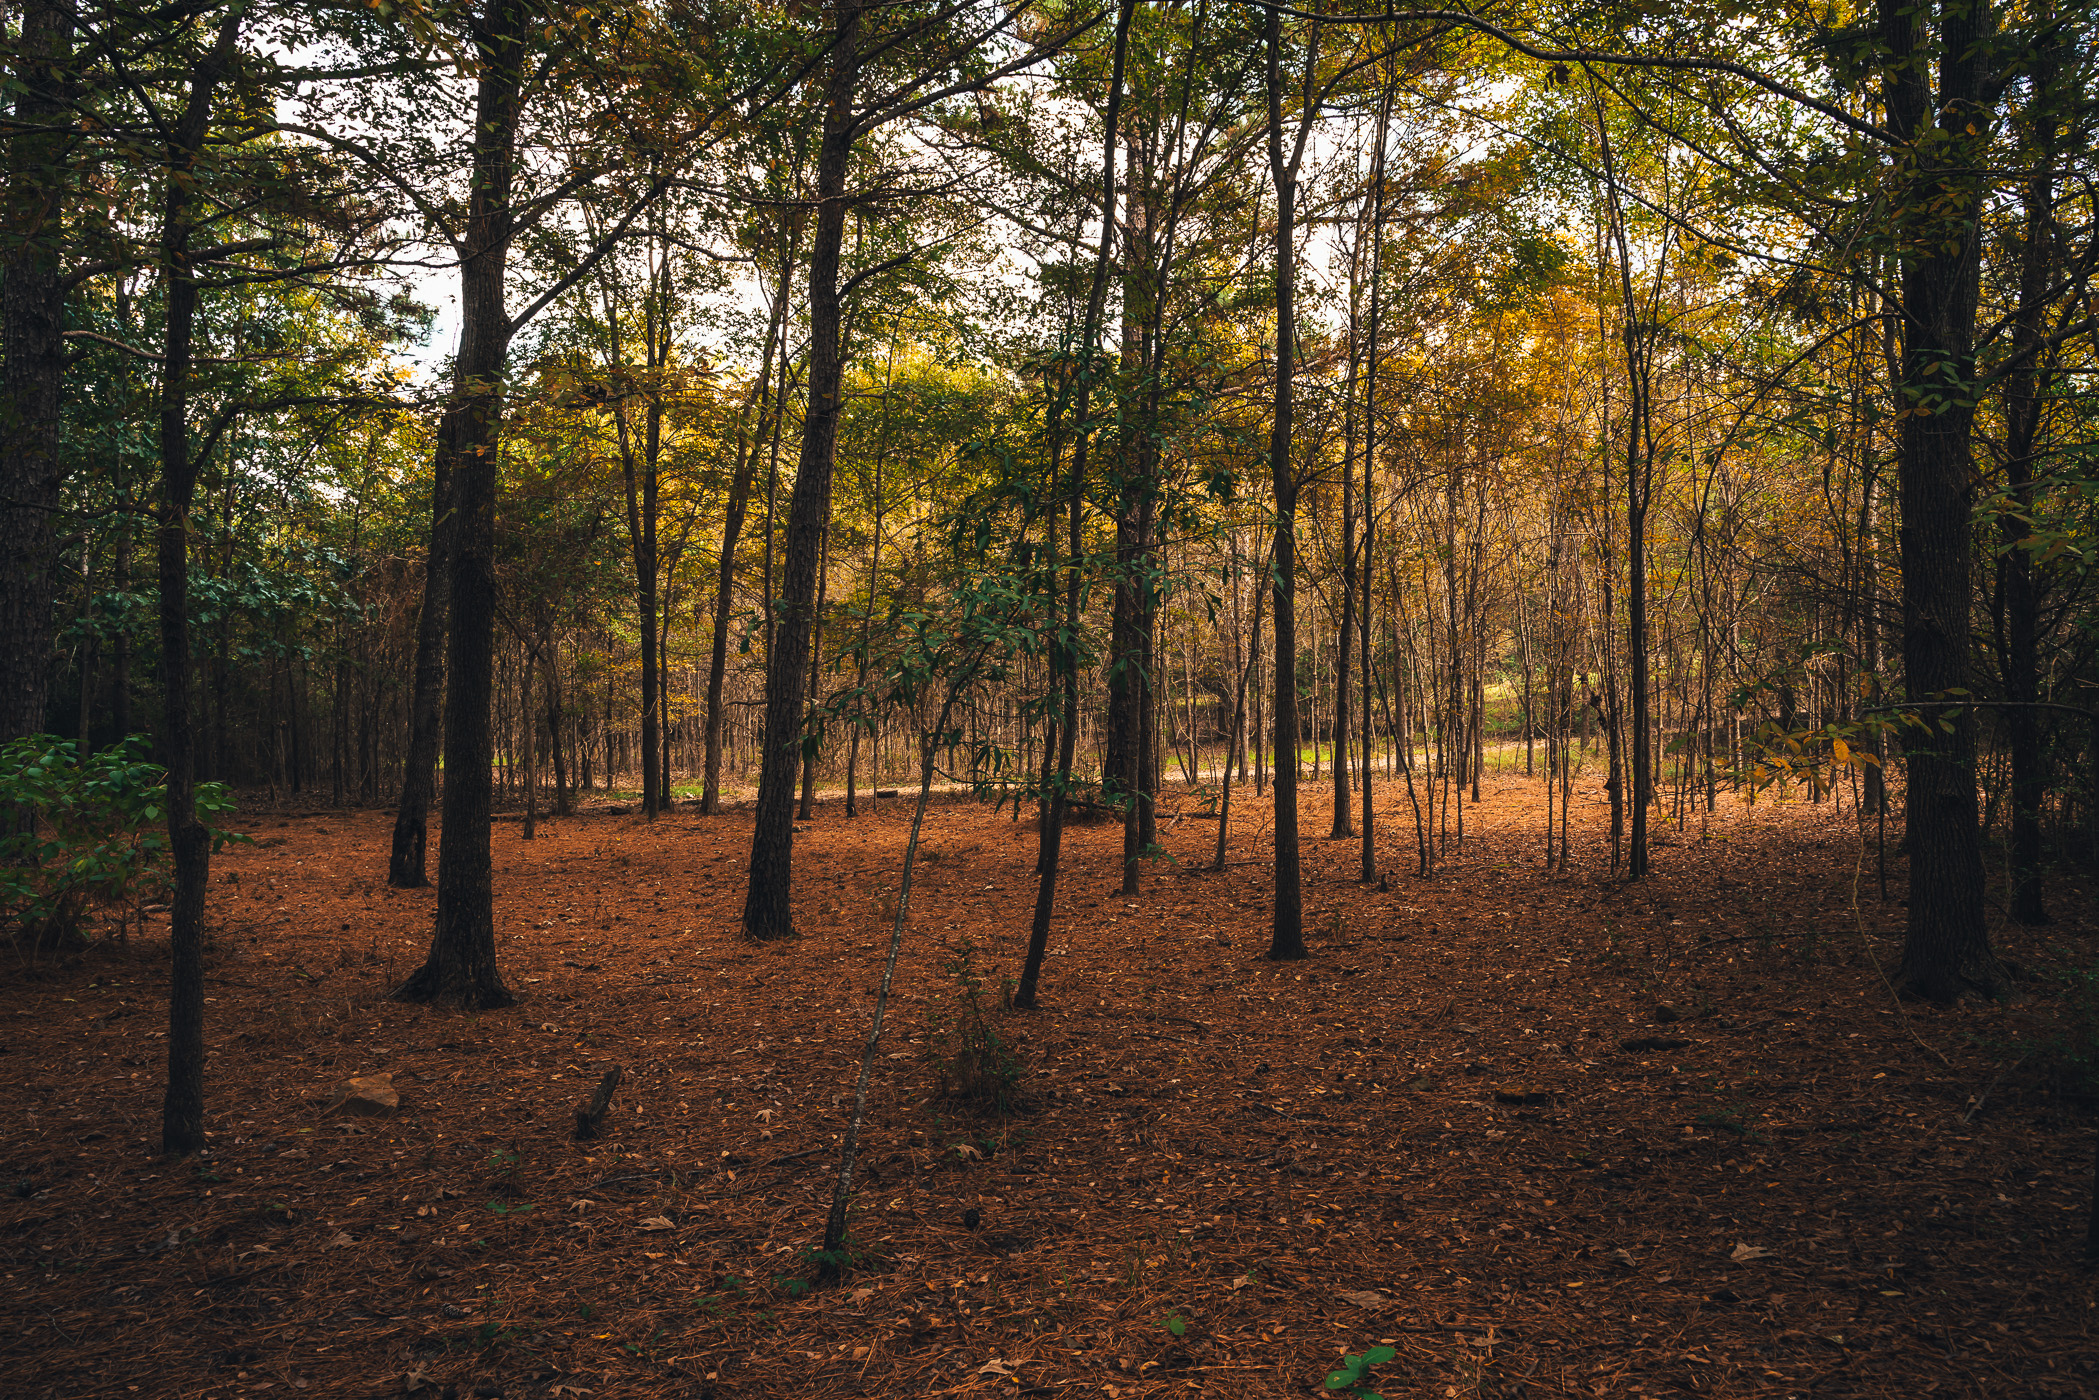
1743,1253
657,1222
1364,1298
341,1241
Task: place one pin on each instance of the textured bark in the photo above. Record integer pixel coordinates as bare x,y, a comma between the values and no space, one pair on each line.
32,330
768,910
1287,934
1946,952
182,1108
461,966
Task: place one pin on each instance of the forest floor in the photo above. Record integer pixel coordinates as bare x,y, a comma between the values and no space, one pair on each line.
1466,1128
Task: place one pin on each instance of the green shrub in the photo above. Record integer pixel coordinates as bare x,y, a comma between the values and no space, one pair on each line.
971,1062
2067,1049
78,835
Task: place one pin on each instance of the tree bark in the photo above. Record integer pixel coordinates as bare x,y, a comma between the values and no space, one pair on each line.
2025,397
32,340
182,1109
1946,952
768,910
1287,935
461,966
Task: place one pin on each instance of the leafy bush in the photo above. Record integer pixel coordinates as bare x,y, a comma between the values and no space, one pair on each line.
1353,1378
2067,1049
81,834
971,1062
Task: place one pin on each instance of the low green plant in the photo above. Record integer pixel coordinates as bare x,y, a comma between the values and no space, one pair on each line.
643,1349
830,1262
971,1062
2068,1051
81,833
1731,1120
1353,1377
504,1164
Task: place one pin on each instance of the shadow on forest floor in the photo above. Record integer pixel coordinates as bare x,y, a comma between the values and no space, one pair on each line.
1540,1136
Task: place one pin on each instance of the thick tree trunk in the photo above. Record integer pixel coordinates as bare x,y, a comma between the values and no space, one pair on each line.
1947,950
768,910
32,340
461,966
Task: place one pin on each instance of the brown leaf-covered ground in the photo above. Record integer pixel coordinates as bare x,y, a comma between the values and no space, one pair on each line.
1223,1173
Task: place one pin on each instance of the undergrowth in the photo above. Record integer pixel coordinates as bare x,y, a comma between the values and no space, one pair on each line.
971,1062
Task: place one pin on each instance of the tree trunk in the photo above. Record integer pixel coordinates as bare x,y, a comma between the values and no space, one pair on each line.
1343,828
32,341
1064,649
555,749
182,1110
1947,949
2025,396
405,866
640,480
1287,935
810,749
461,966
732,531
768,910
528,733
